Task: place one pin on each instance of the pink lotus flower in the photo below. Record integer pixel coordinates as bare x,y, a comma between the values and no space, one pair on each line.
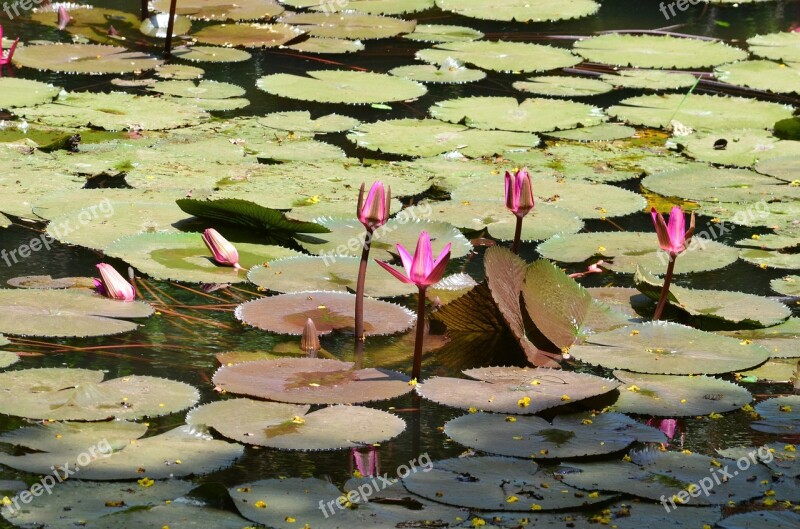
63,17
422,270
374,212
519,193
673,237
224,252
112,285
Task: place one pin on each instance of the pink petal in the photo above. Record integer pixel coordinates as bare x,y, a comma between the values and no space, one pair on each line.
661,230
422,264
406,258
509,193
389,268
438,270
676,228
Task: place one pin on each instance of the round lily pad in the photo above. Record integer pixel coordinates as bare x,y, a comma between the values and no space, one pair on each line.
223,9
349,25
374,7
602,132
678,396
428,73
301,121
787,285
92,59
781,46
311,381
340,86
502,56
247,35
201,89
769,259
521,10
506,113
778,415
210,54
25,93
327,45
66,313
649,79
743,148
181,72
668,348
515,390
761,75
782,341
657,51
443,33
782,167
563,86
291,427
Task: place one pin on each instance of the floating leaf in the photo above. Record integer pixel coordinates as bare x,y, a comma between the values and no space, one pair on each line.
6,357
210,54
326,45
781,46
768,259
563,86
179,72
782,167
301,121
25,93
180,514
379,7
223,9
501,56
776,415
92,59
787,285
603,132
773,371
200,89
349,25
743,148
428,73
247,35
443,33
754,519
339,86
649,79
761,75
521,10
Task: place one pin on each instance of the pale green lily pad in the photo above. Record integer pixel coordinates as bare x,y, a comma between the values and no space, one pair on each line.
649,79
291,427
79,394
428,73
185,257
212,105
501,56
210,54
429,137
301,121
774,371
247,35
778,415
340,86
373,7
25,93
533,437
782,341
678,396
180,72
52,436
315,208
6,357
91,59
114,111
761,75
66,313
308,272
781,46
21,182
772,241
327,45
443,33
521,10
347,236
179,514
743,148
563,86
657,51
201,89
623,251
516,390
668,348
506,113
182,451
700,112
773,215
786,168
349,25
63,202
222,10
299,150
602,132
770,259
787,285
758,519
487,483
653,475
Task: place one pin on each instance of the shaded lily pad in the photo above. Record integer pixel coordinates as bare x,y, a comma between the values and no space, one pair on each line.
181,72
501,56
349,25
787,285
505,389
678,396
563,86
92,59
781,46
311,381
756,519
66,313
301,121
761,75
339,86
210,54
201,89
649,79
668,348
291,427
428,73
778,415
443,33
223,9
774,370
521,10
157,25
247,35
181,514
25,93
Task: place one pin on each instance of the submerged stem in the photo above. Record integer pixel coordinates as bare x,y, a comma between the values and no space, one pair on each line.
517,236
662,300
417,368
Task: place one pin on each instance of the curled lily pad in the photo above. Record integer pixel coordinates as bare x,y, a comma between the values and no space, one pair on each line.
311,381
79,394
521,10
649,79
678,396
349,25
210,54
563,86
443,33
247,35
84,59
781,46
62,313
223,9
301,121
501,56
291,427
25,93
515,390
339,86
776,415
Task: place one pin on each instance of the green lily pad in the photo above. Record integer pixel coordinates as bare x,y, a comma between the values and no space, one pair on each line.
311,381
563,86
781,46
210,54
769,259
743,148
339,86
657,51
349,25
297,150
223,9
443,33
291,427
373,7
179,72
91,59
501,56
782,167
201,89
247,35
771,241
776,415
428,73
66,313
761,75
668,348
649,79
175,515
521,10
7,357
787,285
678,396
327,45
782,341
773,371
602,132
212,105
158,25
301,121
25,93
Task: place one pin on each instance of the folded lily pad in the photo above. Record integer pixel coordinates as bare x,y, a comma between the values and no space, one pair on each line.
649,79
25,93
776,415
210,54
291,427
301,121
761,75
502,56
563,86
349,25
443,33
247,35
91,59
340,86
521,10
223,9
781,46
678,396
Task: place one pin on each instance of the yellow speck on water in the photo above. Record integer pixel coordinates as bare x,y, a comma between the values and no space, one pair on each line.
716,463
769,502
755,236
715,416
58,436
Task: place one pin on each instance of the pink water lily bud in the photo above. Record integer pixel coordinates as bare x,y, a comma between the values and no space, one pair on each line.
519,193
421,269
63,17
673,237
112,285
374,211
593,268
224,252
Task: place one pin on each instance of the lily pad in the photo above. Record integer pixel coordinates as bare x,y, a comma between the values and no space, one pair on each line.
768,259
327,45
7,357
787,285
443,33
761,75
782,167
649,79
756,519
223,9
340,86
291,427
781,46
776,415
181,72
210,54
349,25
678,396
563,86
742,148
782,341
773,371
602,132
180,514
301,121
158,25
92,59
374,7
201,89
311,381
212,105
428,73
521,10
247,35
502,56
25,93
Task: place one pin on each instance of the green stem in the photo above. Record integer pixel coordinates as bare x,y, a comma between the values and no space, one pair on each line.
662,300
362,276
417,369
517,236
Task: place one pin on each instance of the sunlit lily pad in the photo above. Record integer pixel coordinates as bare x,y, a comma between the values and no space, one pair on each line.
210,54
66,313
657,51
223,9
181,72
781,46
301,121
79,394
6,357
327,45
501,56
743,148
311,381
567,436
340,86
247,35
778,415
782,341
787,285
375,7
84,59
291,427
784,167
563,86
649,79
773,371
668,348
201,89
770,259
443,33
761,75
212,105
678,396
515,390
349,25
428,73
602,132
25,93
521,10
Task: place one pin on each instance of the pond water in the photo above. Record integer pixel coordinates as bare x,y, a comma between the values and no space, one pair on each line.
191,326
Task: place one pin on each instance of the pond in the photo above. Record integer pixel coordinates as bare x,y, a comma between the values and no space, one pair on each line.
550,393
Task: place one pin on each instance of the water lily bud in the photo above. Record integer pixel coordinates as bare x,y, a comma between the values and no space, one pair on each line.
309,342
224,252
374,211
112,285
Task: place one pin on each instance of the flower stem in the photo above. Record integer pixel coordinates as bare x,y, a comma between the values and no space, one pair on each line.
362,276
517,236
662,300
417,369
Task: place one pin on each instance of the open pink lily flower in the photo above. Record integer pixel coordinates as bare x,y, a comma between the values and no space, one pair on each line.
112,285
374,212
224,252
421,270
673,237
519,193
